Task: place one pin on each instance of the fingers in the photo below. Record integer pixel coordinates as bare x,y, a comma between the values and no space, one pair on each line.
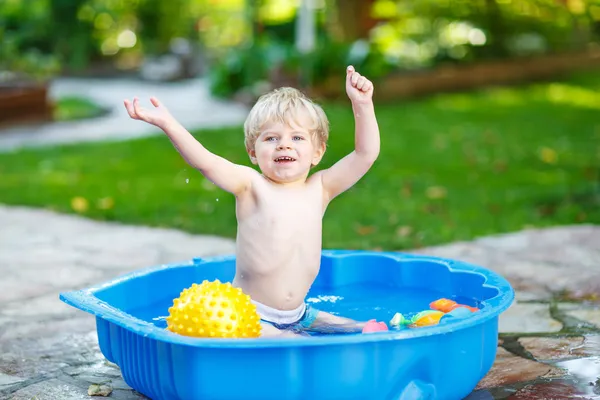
357,81
136,111
368,85
361,82
130,109
139,111
155,102
349,73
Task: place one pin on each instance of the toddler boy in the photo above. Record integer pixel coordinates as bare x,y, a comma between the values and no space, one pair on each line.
279,211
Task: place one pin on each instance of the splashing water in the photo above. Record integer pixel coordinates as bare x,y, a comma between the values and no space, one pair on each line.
585,372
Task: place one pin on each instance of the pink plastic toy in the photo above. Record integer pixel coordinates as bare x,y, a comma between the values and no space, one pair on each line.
374,326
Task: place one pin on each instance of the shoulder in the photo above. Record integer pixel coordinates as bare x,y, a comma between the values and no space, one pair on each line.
250,179
258,185
316,178
252,173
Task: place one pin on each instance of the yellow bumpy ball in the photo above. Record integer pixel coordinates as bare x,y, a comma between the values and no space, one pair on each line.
214,310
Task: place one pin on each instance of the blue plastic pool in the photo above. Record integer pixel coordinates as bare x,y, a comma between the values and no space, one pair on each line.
445,361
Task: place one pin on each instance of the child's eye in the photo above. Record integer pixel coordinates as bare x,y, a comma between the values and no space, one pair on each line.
298,138
270,138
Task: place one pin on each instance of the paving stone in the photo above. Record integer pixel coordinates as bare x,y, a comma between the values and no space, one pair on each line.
481,394
539,262
101,368
28,357
118,394
49,254
29,329
519,272
12,280
558,390
528,318
589,348
51,389
509,369
101,378
528,296
8,380
549,348
583,312
46,306
119,383
47,279
81,244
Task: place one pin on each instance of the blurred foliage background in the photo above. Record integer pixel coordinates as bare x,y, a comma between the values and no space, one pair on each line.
453,166
248,41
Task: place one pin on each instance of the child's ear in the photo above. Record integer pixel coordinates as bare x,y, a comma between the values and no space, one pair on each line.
319,153
252,155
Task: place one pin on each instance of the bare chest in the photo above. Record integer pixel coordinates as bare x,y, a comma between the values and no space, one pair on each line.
286,210
291,211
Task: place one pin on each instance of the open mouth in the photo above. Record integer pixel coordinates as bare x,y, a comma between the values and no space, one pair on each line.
284,159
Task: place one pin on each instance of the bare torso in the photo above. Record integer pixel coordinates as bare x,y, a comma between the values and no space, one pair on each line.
278,247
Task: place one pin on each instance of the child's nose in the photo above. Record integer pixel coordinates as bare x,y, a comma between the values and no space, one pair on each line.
285,144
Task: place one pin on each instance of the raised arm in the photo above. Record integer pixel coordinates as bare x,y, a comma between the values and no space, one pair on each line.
346,172
223,173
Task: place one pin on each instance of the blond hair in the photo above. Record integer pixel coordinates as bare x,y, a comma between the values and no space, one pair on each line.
284,105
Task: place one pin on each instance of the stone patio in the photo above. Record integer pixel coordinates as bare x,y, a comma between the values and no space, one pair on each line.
550,337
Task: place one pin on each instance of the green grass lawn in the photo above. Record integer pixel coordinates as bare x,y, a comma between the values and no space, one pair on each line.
452,167
72,108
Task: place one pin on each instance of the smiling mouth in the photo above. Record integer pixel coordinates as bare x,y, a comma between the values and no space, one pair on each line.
284,159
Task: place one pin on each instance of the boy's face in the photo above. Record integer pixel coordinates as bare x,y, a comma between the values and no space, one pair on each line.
285,153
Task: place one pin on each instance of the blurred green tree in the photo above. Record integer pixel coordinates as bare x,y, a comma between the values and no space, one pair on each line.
72,39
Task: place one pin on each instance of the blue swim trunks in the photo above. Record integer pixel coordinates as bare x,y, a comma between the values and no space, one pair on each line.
299,319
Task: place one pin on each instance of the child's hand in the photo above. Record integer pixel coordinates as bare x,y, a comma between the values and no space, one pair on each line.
358,88
158,116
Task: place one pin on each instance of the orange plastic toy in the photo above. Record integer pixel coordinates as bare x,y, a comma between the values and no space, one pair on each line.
447,305
426,318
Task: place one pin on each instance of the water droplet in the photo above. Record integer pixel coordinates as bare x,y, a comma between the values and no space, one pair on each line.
187,180
217,199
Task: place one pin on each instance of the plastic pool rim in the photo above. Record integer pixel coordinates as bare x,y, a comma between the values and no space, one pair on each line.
86,301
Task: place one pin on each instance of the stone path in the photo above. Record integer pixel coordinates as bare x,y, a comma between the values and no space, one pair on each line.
189,101
549,347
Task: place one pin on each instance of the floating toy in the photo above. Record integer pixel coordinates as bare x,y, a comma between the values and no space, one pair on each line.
424,318
374,326
457,313
447,305
440,309
214,310
400,320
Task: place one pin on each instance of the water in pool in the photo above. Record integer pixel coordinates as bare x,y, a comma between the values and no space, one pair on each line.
358,302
